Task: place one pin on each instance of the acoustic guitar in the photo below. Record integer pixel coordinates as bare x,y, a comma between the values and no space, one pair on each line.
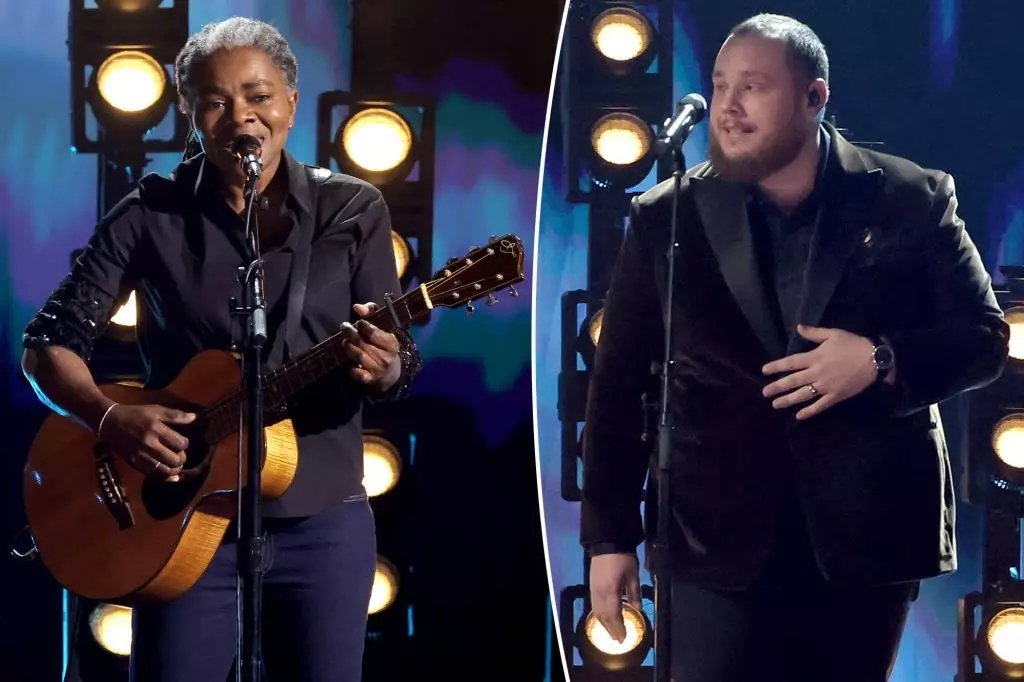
108,532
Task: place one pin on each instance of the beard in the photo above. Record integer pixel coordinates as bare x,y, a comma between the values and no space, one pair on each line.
750,168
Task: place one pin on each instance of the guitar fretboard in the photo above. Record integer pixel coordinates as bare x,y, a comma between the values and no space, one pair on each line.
223,418
497,265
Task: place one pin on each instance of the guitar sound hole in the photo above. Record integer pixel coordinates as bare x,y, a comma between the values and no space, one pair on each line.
163,499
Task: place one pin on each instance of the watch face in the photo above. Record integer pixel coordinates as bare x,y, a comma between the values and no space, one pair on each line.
883,356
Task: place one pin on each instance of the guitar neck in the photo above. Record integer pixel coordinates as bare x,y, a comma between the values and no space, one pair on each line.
497,265
329,354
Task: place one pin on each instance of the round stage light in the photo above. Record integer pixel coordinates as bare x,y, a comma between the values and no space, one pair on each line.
128,5
377,139
126,314
1015,318
595,326
621,139
131,81
596,633
385,586
598,648
403,254
111,626
382,465
1008,440
621,34
1005,635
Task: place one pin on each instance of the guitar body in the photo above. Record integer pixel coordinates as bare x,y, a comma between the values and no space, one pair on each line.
107,532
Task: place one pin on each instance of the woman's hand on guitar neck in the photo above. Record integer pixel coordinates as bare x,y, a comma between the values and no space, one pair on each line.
143,437
373,350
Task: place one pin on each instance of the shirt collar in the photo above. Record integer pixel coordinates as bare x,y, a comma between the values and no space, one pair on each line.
299,190
756,197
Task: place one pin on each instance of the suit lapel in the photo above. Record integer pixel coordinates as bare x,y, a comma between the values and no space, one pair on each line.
723,213
850,208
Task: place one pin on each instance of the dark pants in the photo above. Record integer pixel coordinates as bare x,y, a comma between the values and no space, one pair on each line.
791,626
839,635
315,599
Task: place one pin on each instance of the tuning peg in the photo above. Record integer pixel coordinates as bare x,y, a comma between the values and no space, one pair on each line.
470,308
491,299
513,291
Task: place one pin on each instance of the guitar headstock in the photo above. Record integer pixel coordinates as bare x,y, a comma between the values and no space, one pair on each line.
498,265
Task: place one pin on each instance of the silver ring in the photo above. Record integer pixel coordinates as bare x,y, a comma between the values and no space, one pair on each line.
813,390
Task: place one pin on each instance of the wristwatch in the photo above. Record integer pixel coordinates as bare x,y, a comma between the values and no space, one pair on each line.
883,358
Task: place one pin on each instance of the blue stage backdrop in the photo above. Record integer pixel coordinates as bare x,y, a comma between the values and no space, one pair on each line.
925,78
483,553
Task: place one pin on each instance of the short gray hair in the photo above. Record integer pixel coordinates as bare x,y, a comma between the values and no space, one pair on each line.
226,35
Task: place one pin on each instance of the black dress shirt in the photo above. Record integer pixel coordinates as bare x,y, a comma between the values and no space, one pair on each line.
783,243
178,244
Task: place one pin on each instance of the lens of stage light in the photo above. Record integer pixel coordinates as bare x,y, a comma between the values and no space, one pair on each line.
1015,318
1008,440
377,139
621,34
595,326
621,139
402,252
128,5
131,81
385,586
1006,635
111,625
125,315
603,642
381,465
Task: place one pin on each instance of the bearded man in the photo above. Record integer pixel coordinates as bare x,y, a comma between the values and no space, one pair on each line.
826,298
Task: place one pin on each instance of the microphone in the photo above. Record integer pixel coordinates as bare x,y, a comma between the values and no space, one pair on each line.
689,112
246,149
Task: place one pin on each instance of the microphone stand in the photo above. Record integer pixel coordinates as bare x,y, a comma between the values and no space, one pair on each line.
661,555
251,558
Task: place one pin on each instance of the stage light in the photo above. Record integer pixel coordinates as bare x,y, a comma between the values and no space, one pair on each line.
126,314
122,99
388,141
595,326
1008,440
1015,318
128,5
403,254
598,648
385,586
377,139
1005,635
382,465
131,81
621,139
111,626
621,34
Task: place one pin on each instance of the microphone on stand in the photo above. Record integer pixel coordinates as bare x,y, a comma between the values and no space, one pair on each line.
246,149
689,112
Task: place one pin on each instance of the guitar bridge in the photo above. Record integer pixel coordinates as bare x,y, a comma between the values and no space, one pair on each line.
111,491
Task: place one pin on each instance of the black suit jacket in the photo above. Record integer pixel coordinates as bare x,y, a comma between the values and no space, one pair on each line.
872,475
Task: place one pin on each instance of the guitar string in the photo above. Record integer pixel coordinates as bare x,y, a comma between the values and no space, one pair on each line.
226,407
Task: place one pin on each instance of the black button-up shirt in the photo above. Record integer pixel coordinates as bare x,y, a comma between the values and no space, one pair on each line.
783,243
178,244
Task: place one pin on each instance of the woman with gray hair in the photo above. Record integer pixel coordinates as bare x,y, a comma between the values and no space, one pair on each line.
177,241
